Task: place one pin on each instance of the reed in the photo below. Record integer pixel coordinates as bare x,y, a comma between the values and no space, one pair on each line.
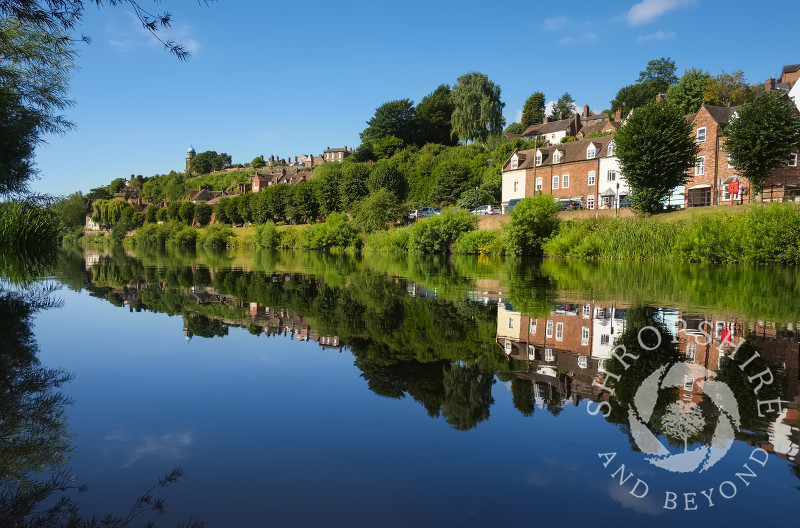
28,223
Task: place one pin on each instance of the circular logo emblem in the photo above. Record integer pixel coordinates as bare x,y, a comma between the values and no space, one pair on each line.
685,418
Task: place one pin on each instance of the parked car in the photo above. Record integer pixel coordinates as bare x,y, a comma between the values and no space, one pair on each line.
511,204
425,212
571,205
486,210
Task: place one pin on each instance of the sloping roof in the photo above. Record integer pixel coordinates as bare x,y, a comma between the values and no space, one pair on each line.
547,128
721,114
572,151
791,68
593,128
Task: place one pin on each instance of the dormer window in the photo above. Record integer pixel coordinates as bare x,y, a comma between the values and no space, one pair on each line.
557,156
701,134
611,147
538,158
590,152
793,159
514,163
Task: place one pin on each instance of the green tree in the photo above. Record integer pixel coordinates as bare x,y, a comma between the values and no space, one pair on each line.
478,111
186,212
353,186
150,214
564,107
515,128
532,221
174,211
209,161
279,198
387,146
385,175
395,118
116,185
377,211
328,179
258,162
655,149
451,179
220,211
687,94
161,215
533,111
71,210
472,198
434,113
633,96
305,204
659,74
727,89
762,137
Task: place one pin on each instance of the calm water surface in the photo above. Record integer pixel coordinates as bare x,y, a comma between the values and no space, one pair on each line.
297,389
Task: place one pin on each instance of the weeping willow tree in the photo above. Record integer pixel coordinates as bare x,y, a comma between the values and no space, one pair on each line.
478,110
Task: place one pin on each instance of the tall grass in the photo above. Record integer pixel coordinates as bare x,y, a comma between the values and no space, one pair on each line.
760,234
28,223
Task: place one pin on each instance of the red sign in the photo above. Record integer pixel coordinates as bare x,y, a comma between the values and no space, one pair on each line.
733,187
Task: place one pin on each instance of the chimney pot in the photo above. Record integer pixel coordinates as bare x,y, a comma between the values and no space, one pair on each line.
769,85
586,110
618,115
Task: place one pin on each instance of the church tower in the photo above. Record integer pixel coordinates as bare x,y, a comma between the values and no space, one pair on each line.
189,155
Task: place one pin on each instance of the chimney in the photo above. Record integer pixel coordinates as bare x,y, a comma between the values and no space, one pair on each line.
618,115
577,123
659,97
585,111
545,119
769,85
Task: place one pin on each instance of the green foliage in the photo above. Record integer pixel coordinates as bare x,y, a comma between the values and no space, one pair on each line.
687,94
434,113
379,210
174,211
762,137
214,237
387,146
353,186
151,213
220,211
156,234
71,210
186,212
395,118
161,215
391,240
437,233
479,243
473,198
121,228
727,89
202,213
452,178
515,128
306,205
385,175
328,177
655,149
28,224
564,107
209,161
532,221
258,162
533,111
109,212
186,237
633,96
568,139
478,111
334,233
659,74
267,236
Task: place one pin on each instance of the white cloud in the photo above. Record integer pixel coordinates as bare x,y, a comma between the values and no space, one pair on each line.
658,36
648,10
130,449
587,37
131,35
555,23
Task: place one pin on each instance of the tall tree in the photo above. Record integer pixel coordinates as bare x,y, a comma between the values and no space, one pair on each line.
515,128
727,89
655,149
434,113
564,107
478,111
762,137
659,74
533,111
395,118
687,94
633,96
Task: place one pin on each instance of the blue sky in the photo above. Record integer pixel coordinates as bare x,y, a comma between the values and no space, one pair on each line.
288,78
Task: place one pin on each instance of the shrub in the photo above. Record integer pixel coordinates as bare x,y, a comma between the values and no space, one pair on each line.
267,236
479,243
214,237
186,237
186,212
202,213
392,240
25,223
335,232
435,234
532,221
155,234
377,211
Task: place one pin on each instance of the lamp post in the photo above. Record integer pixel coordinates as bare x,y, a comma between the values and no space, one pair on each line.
616,202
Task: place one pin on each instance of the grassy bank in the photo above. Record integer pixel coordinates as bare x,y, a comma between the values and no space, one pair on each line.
757,234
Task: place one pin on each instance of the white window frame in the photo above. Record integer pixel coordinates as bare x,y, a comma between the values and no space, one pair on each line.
548,329
584,335
531,352
591,152
583,362
516,186
548,355
700,166
691,351
610,149
514,163
510,323
701,135
605,339
554,182
557,156
611,175
590,201
559,331
587,311
565,181
793,159
538,158
539,184
688,383
592,177
507,347
533,326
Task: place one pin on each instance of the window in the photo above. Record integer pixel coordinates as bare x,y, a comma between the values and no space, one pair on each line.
538,158
557,157
690,351
559,331
605,339
590,201
585,335
700,166
565,181
730,165
590,152
531,352
688,383
516,186
587,310
701,134
555,182
340,155
611,147
611,175
510,323
507,346
793,159
514,163
548,355
731,190
548,329
538,184
533,326
583,361
592,175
